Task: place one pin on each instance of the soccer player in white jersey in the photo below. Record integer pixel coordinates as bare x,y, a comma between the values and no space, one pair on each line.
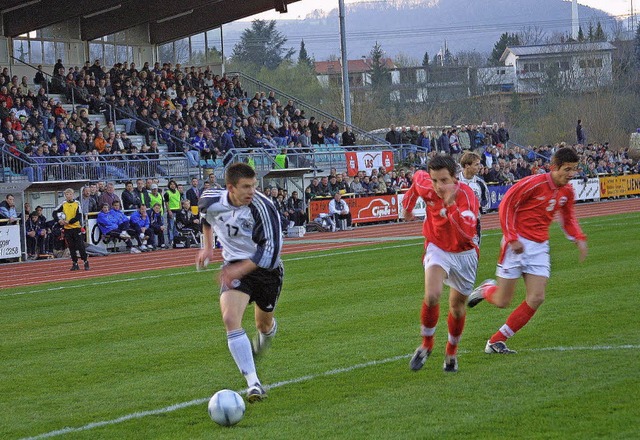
470,163
451,253
248,227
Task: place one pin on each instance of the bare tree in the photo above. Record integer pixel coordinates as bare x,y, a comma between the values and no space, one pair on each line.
531,35
471,58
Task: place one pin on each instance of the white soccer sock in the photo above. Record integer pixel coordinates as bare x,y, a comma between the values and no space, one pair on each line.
240,348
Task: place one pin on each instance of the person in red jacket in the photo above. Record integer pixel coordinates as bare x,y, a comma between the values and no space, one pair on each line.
526,212
451,252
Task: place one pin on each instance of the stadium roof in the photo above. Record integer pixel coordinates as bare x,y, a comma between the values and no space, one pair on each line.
167,19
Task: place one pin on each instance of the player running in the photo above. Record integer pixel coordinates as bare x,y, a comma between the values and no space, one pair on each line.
248,226
526,211
451,255
470,163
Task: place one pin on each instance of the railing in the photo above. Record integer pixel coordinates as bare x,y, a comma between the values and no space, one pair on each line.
17,166
259,86
320,158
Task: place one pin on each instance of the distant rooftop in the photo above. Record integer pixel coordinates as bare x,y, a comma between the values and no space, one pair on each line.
545,49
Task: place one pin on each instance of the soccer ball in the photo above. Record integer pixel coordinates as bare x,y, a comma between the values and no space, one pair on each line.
226,407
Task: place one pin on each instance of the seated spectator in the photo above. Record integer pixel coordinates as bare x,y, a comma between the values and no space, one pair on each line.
296,210
115,225
339,210
139,221
186,221
8,210
157,226
36,235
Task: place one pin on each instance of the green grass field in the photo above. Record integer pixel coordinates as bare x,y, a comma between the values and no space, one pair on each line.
109,357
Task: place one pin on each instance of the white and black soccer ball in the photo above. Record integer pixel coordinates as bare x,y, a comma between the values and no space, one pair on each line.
62,216
226,408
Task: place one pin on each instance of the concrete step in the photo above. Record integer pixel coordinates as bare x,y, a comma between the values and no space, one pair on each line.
57,97
100,118
137,140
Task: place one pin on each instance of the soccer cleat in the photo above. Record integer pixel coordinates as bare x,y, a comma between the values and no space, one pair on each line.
259,348
135,250
419,358
256,393
124,235
450,364
478,293
75,266
498,348
86,265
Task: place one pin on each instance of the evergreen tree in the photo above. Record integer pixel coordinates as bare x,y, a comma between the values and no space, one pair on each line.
505,41
262,45
379,72
599,35
380,78
580,35
303,57
590,34
425,60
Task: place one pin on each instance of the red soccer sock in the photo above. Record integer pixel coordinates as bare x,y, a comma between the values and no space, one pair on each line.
429,319
488,293
516,320
456,325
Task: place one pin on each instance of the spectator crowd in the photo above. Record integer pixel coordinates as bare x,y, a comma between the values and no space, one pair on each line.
191,110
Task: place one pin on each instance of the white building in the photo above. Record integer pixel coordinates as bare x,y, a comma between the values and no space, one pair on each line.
535,69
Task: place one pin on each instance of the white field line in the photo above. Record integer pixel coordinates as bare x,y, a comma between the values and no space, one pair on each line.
307,257
177,406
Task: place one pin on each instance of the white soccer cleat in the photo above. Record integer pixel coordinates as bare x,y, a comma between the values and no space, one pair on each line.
477,296
498,348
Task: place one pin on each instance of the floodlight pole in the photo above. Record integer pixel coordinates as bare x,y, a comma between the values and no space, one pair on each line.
346,95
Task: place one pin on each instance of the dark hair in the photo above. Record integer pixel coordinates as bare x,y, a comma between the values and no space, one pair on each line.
564,155
238,171
442,162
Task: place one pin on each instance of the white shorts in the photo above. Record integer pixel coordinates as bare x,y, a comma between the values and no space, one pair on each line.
534,260
460,267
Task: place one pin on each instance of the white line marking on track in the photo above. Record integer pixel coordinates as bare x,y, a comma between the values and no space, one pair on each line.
177,406
173,274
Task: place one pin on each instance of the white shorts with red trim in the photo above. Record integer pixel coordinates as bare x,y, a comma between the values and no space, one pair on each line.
461,267
534,260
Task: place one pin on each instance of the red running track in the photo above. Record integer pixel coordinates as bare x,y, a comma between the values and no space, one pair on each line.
36,272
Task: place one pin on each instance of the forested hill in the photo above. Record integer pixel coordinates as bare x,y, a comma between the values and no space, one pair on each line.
411,27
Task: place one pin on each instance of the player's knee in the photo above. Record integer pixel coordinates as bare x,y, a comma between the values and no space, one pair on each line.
230,321
501,303
535,301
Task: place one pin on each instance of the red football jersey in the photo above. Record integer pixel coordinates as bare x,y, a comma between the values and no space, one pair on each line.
451,228
529,206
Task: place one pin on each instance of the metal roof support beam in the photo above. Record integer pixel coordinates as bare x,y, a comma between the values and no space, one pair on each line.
203,19
49,12
134,13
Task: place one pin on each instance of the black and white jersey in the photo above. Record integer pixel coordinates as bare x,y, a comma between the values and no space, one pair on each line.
479,188
250,232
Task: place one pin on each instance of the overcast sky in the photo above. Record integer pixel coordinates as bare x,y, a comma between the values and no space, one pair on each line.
300,9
